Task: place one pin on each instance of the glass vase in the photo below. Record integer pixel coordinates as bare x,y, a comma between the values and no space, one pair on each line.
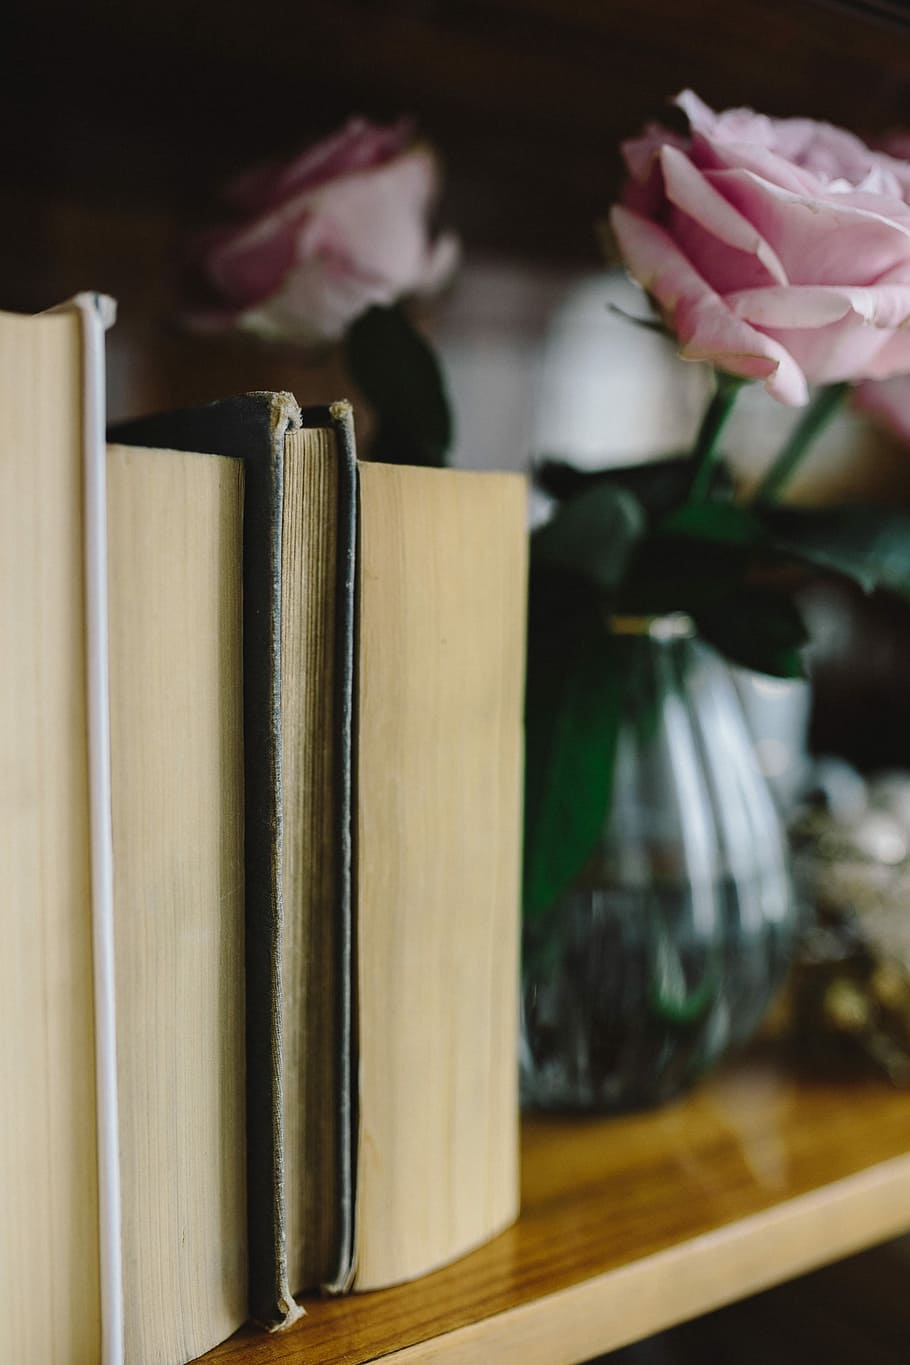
667,949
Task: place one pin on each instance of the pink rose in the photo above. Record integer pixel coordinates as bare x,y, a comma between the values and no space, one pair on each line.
777,249
318,241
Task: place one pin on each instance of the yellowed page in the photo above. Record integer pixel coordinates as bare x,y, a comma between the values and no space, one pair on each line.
49,1223
308,877
442,590
176,747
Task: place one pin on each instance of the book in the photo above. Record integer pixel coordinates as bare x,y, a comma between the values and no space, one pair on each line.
441,599
252,429
122,1061
59,1252
175,669
384,665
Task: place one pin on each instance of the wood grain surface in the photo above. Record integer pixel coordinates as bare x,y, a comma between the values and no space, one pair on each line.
631,1224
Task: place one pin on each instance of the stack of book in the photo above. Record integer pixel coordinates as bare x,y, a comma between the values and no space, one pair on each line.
260,786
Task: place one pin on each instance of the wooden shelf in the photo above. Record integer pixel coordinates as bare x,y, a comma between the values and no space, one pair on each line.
632,1224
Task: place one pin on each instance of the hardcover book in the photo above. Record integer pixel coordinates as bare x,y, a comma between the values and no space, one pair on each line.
174,610
57,1142
121,979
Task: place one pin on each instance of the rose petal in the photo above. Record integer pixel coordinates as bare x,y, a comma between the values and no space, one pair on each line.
817,305
828,152
841,350
895,150
721,266
357,146
248,266
833,332
892,359
706,327
710,155
688,189
701,117
642,153
797,146
819,241
377,219
644,190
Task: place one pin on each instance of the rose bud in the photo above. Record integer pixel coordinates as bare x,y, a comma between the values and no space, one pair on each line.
319,240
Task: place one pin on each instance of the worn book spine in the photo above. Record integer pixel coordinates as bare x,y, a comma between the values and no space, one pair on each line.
340,416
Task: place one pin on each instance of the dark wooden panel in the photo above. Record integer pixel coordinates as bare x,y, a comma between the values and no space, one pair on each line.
852,1313
527,98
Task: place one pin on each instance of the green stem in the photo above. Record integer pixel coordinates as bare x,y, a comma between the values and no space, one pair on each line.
705,451
816,416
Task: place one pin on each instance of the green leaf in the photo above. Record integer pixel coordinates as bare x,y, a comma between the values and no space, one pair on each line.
659,485
592,536
572,723
758,628
717,522
398,373
870,545
673,573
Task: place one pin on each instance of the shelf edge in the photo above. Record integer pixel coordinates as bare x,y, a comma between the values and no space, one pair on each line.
617,1307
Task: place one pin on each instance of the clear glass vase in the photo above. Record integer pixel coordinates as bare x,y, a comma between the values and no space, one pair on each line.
667,949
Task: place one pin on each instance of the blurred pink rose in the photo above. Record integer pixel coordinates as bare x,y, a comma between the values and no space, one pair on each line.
777,249
319,240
